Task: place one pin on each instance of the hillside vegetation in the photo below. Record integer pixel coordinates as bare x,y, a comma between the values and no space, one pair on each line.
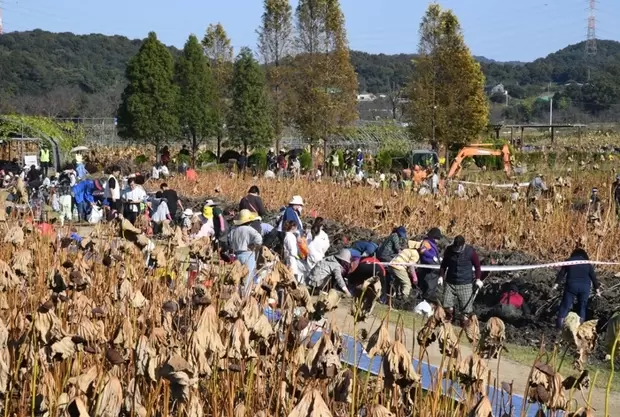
62,74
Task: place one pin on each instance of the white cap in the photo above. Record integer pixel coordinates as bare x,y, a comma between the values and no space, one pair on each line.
270,149
296,201
359,150
188,212
7,177
210,203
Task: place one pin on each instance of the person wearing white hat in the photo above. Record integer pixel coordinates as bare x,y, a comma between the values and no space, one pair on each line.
293,213
271,160
359,161
186,222
331,268
244,241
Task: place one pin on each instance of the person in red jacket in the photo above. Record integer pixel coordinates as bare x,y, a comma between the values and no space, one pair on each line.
511,306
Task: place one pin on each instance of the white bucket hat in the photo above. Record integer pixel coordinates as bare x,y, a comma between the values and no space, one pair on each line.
296,201
210,203
188,212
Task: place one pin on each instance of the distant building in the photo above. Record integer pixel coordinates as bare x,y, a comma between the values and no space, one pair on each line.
498,89
366,97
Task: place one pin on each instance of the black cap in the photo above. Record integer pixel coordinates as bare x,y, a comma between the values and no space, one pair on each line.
434,233
459,241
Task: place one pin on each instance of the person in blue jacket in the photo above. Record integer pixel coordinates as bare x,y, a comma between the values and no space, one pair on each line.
292,213
579,281
363,248
83,195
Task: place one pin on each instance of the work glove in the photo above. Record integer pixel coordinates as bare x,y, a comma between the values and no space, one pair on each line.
440,281
598,292
479,283
555,287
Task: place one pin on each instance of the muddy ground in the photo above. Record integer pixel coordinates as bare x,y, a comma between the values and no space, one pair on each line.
535,284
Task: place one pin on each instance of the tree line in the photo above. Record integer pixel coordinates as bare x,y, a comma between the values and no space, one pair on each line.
304,79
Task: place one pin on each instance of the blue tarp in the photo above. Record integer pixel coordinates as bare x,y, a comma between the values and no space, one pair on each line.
428,373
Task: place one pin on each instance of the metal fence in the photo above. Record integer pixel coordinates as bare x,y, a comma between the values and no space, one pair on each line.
99,130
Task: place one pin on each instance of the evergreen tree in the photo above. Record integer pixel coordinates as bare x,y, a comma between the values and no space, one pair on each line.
275,45
448,104
324,79
219,51
148,107
249,124
193,75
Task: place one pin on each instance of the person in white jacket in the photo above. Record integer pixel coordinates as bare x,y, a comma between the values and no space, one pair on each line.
291,250
318,243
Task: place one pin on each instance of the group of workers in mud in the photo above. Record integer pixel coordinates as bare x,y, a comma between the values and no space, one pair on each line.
400,262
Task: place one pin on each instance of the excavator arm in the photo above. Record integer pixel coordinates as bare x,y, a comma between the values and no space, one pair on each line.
479,150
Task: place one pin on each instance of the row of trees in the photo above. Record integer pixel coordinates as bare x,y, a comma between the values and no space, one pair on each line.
306,80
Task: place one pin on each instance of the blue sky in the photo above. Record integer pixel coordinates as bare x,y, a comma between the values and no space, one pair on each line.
498,29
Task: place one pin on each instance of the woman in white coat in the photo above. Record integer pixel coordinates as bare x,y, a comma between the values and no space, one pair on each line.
318,243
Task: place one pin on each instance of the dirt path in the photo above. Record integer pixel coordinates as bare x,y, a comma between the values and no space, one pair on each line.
509,371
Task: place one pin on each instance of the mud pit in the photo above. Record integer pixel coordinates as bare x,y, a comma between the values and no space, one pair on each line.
535,284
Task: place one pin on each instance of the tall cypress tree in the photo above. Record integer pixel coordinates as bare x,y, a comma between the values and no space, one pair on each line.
220,53
148,107
275,41
197,96
448,105
249,124
324,80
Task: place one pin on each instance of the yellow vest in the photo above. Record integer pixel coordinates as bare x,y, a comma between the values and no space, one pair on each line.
45,155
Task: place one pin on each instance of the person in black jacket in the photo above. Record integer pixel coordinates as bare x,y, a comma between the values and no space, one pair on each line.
392,245
579,281
457,268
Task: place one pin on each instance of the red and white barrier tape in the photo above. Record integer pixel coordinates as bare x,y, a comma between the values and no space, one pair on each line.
503,268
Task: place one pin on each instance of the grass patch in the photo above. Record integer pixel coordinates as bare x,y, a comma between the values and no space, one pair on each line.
523,355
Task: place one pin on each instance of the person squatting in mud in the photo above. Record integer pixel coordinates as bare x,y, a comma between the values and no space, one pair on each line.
579,281
511,306
456,268
429,255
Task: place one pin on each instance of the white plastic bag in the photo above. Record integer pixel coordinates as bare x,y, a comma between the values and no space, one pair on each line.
95,216
423,309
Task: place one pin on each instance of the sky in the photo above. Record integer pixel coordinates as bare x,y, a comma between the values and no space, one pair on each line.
503,30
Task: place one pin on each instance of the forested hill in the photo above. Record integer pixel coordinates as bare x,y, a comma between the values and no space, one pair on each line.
379,73
39,63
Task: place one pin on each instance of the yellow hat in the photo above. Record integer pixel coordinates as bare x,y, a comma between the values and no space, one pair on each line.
412,244
246,216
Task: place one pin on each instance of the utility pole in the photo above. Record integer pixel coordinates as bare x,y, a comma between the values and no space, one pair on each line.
550,114
1,25
591,37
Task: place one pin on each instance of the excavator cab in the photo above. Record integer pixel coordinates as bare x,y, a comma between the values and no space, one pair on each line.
424,158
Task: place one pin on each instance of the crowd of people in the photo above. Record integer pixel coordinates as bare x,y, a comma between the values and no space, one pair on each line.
451,278
401,262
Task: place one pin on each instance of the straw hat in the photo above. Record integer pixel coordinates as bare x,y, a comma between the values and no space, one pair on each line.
246,216
296,201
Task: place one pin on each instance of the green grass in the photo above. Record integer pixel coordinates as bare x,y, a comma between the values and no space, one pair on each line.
520,354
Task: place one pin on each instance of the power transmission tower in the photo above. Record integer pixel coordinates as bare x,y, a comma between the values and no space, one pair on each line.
591,38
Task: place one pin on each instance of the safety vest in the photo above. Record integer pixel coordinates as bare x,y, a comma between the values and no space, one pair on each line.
115,192
45,155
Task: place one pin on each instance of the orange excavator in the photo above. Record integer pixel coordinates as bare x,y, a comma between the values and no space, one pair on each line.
480,149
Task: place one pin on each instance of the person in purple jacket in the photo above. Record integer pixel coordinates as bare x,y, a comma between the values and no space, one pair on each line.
429,255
